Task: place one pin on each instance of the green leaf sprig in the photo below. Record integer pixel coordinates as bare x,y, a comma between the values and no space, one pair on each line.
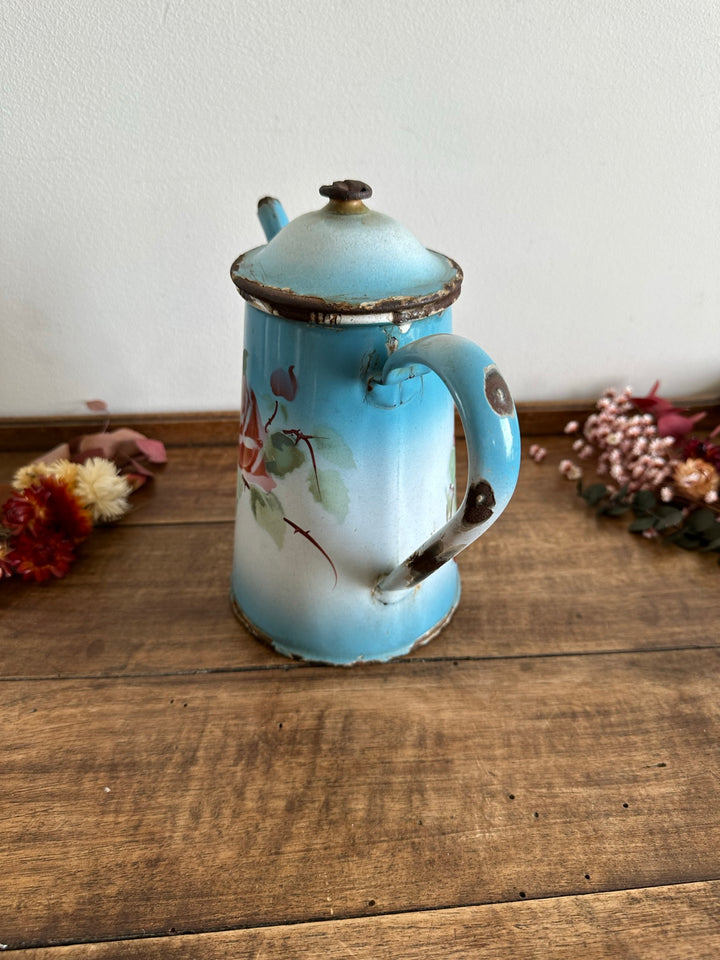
691,527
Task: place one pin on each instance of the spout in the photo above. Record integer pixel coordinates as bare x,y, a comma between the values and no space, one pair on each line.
272,216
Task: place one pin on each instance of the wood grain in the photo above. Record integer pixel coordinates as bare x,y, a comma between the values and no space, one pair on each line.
140,806
626,924
221,426
548,578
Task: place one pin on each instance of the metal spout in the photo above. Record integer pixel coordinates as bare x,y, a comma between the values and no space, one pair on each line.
272,217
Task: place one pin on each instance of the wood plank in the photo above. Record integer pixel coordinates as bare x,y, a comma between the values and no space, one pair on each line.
658,923
136,807
549,577
174,429
142,599
156,600
196,485
221,426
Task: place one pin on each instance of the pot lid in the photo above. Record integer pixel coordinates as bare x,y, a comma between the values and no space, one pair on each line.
344,263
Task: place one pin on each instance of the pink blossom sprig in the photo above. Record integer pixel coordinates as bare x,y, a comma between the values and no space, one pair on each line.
625,444
649,466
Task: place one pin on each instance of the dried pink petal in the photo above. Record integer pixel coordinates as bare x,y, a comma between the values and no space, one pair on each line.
537,452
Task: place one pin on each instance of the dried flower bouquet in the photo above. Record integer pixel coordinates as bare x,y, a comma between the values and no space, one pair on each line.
649,465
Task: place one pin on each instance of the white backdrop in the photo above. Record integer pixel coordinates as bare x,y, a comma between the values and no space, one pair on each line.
566,154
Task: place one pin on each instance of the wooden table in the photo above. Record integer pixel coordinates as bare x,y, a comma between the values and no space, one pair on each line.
541,780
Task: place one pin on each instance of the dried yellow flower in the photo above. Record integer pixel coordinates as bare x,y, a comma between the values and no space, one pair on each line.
64,470
26,476
696,478
100,487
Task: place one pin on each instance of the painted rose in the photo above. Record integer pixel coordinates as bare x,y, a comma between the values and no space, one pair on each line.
252,438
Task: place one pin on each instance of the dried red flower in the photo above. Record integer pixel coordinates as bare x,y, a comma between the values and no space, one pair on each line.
652,403
47,506
6,568
17,513
45,523
38,560
702,450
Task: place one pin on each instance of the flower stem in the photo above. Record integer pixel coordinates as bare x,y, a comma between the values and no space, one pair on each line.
313,541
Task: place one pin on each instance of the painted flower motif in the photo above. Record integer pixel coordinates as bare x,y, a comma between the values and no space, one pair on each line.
283,383
252,438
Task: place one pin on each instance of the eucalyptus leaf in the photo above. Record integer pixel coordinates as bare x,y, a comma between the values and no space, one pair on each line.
594,493
702,519
684,540
671,519
642,523
644,500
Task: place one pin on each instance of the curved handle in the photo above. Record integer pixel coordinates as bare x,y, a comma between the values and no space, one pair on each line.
491,429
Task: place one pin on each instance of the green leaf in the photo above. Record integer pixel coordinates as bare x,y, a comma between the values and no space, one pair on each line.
642,523
644,500
330,445
684,540
268,512
670,519
618,510
701,520
594,493
282,455
711,545
329,489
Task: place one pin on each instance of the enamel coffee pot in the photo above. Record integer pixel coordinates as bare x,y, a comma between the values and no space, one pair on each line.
346,524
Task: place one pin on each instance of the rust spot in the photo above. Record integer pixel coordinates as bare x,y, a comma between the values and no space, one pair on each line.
428,561
497,393
480,503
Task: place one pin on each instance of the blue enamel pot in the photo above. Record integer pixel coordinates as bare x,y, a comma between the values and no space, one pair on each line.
347,522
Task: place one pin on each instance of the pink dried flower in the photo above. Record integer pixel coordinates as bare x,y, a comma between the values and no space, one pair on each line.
570,470
537,453
572,426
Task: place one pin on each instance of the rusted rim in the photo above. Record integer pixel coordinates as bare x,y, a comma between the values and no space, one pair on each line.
286,303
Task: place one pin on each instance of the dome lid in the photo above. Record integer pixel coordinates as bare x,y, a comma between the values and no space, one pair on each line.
344,264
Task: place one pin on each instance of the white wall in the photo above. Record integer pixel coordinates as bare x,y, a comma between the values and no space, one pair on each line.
566,154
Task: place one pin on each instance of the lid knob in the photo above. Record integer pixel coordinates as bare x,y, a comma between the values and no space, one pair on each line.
346,190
